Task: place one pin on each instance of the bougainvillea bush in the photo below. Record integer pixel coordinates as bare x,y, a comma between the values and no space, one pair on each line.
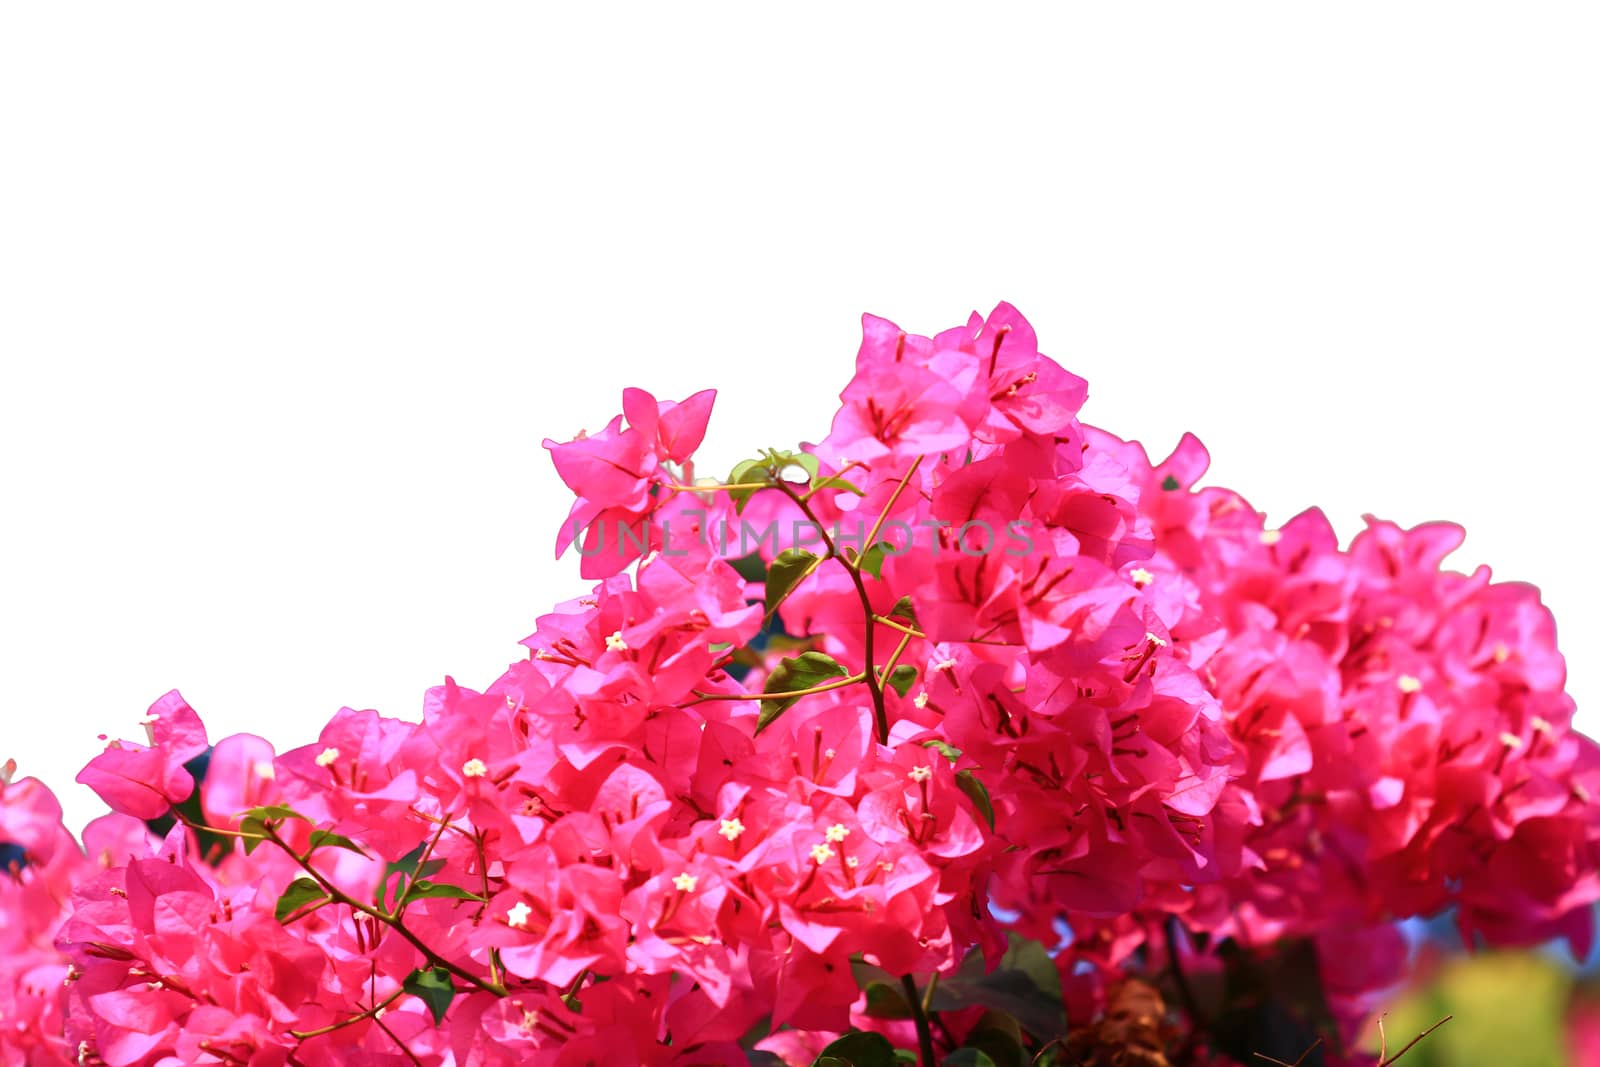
966,735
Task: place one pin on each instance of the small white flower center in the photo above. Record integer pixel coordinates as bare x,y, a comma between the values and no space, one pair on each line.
731,829
474,768
327,756
615,642
1408,683
517,916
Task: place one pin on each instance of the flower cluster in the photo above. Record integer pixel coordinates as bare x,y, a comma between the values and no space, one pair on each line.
999,737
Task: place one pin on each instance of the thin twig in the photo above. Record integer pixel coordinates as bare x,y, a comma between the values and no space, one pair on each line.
1413,1041
1302,1058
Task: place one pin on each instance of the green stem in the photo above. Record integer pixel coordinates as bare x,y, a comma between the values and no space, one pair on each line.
383,917
793,693
919,1015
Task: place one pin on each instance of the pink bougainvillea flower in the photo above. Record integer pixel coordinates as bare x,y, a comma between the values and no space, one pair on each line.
145,781
621,475
992,688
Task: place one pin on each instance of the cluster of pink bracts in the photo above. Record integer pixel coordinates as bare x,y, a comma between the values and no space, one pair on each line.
1026,682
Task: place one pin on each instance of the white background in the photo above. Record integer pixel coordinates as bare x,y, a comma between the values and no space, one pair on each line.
291,293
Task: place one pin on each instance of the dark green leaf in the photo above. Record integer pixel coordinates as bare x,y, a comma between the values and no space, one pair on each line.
1169,483
968,1057
997,1036
901,677
751,568
421,890
433,988
969,784
802,672
1025,986
301,891
948,751
860,1048
1030,958
791,565
407,867
329,839
903,610
210,846
885,1001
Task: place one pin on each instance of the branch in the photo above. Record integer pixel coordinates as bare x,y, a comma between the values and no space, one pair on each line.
1382,1062
383,917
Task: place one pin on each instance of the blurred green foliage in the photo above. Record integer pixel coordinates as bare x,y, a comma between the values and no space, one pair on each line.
1510,1010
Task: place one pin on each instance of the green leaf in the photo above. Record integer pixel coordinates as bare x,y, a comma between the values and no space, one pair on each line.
786,571
1030,958
833,481
329,839
782,458
750,470
1169,483
969,1057
997,1037
901,677
301,891
903,610
421,890
751,568
256,820
1025,986
871,560
859,1048
273,811
802,672
885,1001
433,988
969,784
948,751
407,867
